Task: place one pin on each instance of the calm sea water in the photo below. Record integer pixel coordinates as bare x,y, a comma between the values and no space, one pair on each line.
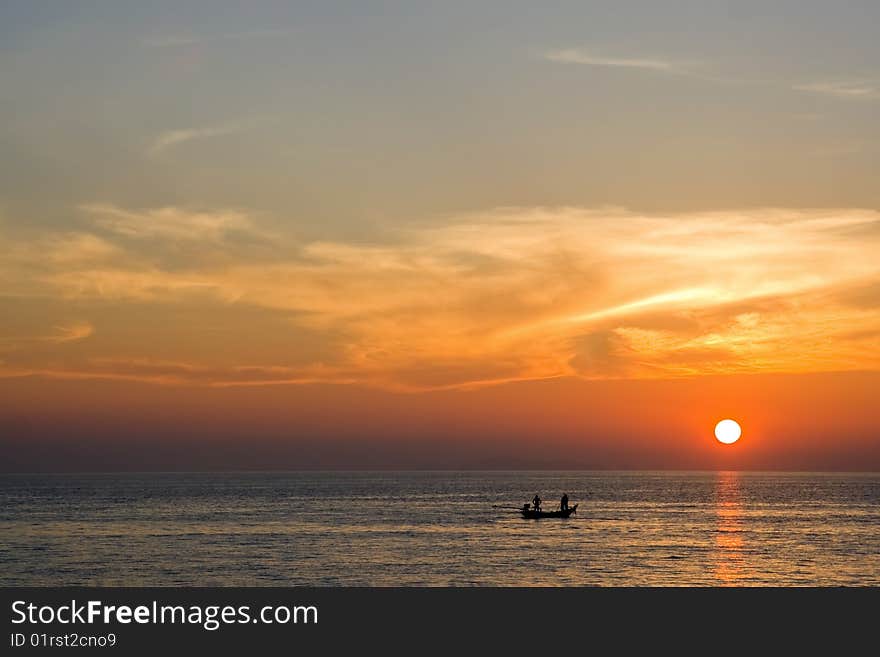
439,529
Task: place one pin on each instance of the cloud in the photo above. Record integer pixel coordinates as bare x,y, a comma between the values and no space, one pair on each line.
489,297
167,372
664,66
171,223
72,248
846,89
580,56
172,138
60,334
604,350
859,90
71,332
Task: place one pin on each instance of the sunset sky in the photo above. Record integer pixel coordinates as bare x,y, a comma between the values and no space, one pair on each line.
497,234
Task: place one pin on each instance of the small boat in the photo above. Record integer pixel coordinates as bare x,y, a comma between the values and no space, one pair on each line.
558,513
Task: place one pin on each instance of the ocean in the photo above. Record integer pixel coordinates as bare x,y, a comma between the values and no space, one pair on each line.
439,529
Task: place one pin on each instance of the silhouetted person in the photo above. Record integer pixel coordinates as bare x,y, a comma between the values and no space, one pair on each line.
564,503
537,502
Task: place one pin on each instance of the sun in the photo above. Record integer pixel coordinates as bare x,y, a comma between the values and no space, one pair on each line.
727,432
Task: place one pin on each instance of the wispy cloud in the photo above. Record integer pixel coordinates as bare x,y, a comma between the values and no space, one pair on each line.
60,334
148,370
505,295
660,65
588,58
859,90
171,223
71,332
171,138
179,40
866,89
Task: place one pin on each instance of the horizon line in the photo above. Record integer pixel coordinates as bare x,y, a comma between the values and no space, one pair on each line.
438,470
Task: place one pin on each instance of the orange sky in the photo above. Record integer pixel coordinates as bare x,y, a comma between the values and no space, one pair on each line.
543,337
318,237
804,421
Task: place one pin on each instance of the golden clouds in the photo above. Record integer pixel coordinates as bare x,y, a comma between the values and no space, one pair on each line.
169,223
511,294
71,332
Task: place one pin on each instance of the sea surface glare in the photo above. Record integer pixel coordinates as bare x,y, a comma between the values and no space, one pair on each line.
439,529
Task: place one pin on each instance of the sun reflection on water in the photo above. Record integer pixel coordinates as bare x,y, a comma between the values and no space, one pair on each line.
729,555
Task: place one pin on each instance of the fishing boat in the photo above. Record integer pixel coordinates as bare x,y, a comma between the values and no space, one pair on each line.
528,512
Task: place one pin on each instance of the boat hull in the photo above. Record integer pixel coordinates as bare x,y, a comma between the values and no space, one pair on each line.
559,513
